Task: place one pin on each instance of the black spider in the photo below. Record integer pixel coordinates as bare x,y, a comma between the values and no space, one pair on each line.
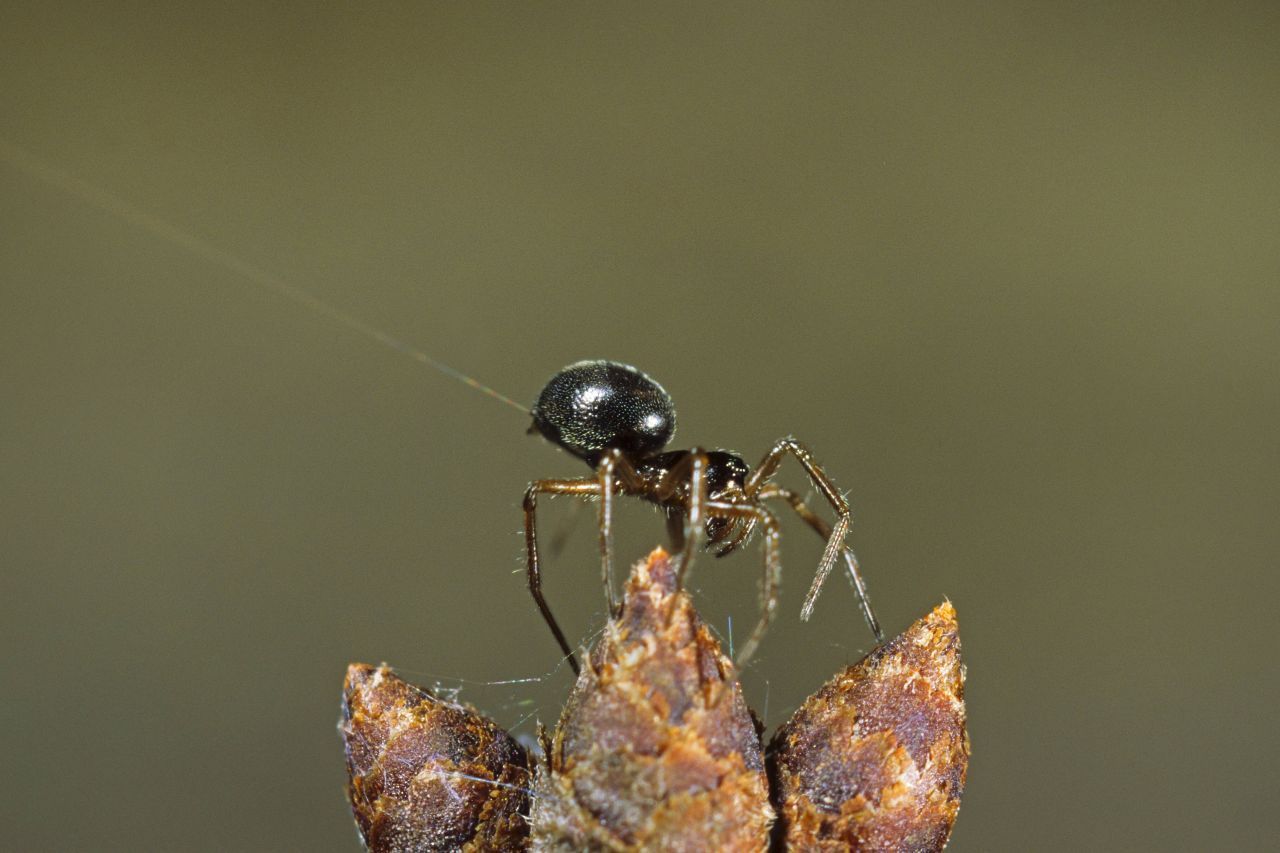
617,420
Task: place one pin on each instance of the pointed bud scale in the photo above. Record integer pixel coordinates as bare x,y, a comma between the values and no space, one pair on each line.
428,774
656,748
876,759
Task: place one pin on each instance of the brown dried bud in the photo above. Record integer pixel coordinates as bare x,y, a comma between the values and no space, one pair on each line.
428,774
656,747
876,759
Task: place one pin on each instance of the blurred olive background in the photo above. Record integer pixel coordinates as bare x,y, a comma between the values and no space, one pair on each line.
1010,270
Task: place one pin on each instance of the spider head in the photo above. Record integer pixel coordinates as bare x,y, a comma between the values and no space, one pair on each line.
726,473
593,406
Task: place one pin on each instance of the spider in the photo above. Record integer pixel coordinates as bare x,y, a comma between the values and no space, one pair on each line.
618,420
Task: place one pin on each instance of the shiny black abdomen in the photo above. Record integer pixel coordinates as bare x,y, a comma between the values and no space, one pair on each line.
593,406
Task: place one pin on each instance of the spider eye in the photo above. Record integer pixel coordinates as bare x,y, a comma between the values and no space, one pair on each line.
593,406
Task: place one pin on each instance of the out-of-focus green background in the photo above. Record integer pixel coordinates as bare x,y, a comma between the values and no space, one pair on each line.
1010,269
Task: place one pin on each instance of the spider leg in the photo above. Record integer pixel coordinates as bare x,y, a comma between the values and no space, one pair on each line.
851,562
613,471
695,464
755,513
835,540
580,488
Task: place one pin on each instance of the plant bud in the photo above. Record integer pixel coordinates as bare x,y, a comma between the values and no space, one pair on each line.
656,748
876,759
428,774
